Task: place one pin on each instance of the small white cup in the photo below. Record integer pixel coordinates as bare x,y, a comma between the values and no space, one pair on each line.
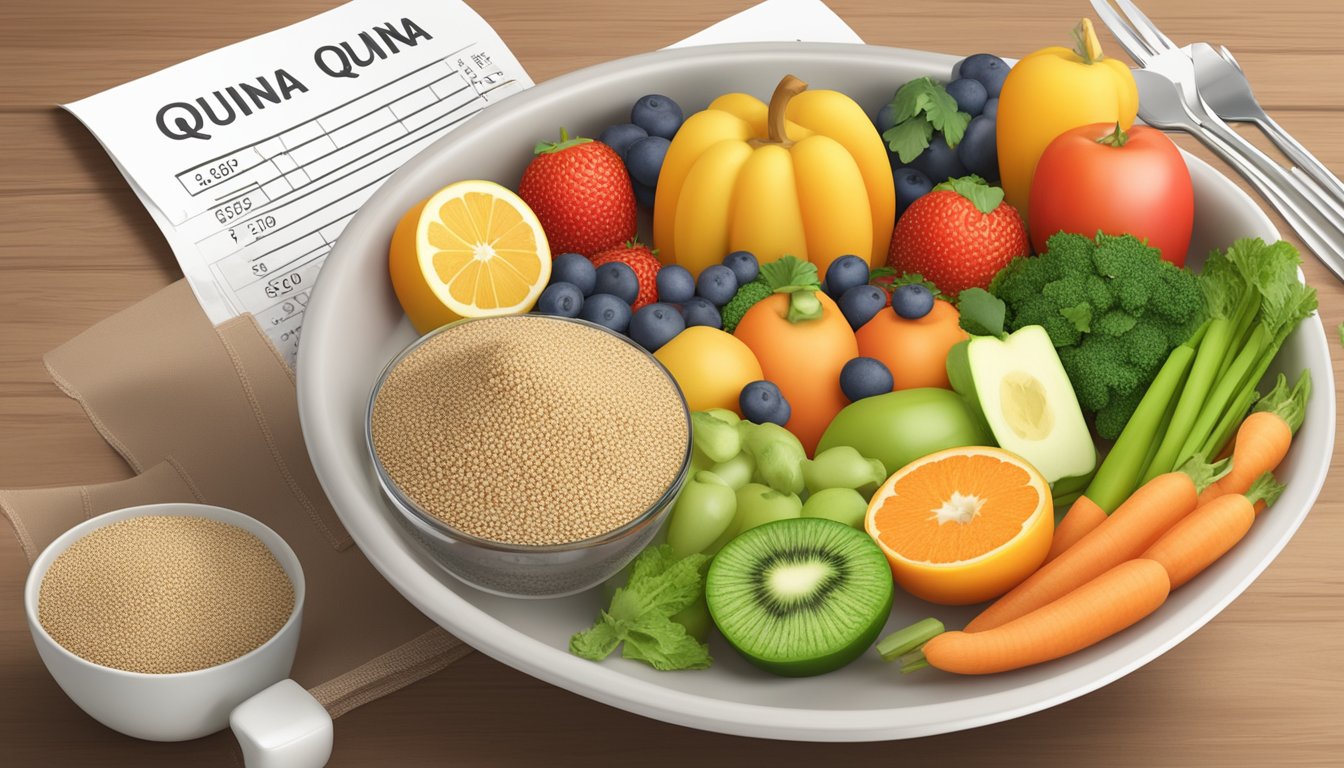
180,706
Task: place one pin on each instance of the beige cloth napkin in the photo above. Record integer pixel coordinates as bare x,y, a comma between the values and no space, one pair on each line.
209,414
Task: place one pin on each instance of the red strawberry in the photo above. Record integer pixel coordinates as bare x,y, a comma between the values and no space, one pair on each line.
642,261
581,193
958,236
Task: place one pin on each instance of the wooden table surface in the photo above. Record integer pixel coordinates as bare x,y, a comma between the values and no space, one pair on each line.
1261,685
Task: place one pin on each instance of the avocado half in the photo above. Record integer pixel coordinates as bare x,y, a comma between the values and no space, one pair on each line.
1018,386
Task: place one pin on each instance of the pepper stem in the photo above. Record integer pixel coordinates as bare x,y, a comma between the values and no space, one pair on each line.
789,87
1117,138
1085,42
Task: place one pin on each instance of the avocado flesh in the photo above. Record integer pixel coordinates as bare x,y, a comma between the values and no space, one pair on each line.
1018,386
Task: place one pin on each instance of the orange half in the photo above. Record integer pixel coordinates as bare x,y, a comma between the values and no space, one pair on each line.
963,525
472,249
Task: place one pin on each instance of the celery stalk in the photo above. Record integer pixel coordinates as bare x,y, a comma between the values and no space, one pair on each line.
1119,473
1208,360
1224,393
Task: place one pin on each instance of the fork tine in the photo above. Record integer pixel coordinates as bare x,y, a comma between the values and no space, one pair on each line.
1146,27
1135,47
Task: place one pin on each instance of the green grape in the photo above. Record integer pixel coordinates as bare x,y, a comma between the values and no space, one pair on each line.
695,618
843,505
778,454
703,511
736,471
842,467
760,504
719,440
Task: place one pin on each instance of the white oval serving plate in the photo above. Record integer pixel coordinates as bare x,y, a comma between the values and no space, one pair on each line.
354,326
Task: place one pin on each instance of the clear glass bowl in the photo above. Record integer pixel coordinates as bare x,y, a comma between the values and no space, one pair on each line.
520,570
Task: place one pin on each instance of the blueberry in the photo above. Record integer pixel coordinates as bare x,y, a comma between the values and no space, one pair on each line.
989,69
970,95
744,265
563,299
675,284
657,114
620,137
700,311
864,377
912,301
845,273
991,109
911,185
619,280
717,283
978,150
885,118
762,402
938,161
860,303
607,311
655,325
574,268
645,159
643,194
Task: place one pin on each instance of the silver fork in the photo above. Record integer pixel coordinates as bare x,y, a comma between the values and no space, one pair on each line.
1154,51
1162,105
1304,206
1223,86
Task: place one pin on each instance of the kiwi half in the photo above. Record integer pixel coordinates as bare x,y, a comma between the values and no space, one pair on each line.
800,597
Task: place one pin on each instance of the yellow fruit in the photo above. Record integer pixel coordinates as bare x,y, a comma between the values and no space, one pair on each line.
472,249
807,176
963,525
710,366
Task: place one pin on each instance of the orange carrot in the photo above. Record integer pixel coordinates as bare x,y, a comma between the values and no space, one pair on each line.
1079,521
1094,611
1210,531
1263,438
1131,529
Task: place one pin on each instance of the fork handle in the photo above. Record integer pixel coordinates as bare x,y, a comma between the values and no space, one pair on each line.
1324,243
1302,158
1303,194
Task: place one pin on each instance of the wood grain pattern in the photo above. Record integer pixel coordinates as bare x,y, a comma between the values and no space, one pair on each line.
1261,685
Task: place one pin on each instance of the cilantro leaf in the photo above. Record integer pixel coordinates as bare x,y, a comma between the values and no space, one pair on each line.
598,641
660,585
909,138
664,645
982,312
920,107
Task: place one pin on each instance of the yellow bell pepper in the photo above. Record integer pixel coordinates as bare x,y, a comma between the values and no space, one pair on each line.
807,176
1052,91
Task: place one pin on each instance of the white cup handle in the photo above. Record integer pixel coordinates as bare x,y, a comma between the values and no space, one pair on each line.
283,727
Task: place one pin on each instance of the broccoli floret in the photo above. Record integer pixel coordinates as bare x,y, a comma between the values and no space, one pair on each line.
1112,308
745,298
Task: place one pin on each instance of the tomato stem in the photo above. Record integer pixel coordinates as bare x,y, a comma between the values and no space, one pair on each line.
1117,138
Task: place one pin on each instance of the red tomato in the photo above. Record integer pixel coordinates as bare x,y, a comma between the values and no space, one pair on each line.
1087,181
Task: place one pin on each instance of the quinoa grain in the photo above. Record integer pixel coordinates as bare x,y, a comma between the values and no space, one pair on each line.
530,430
162,594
